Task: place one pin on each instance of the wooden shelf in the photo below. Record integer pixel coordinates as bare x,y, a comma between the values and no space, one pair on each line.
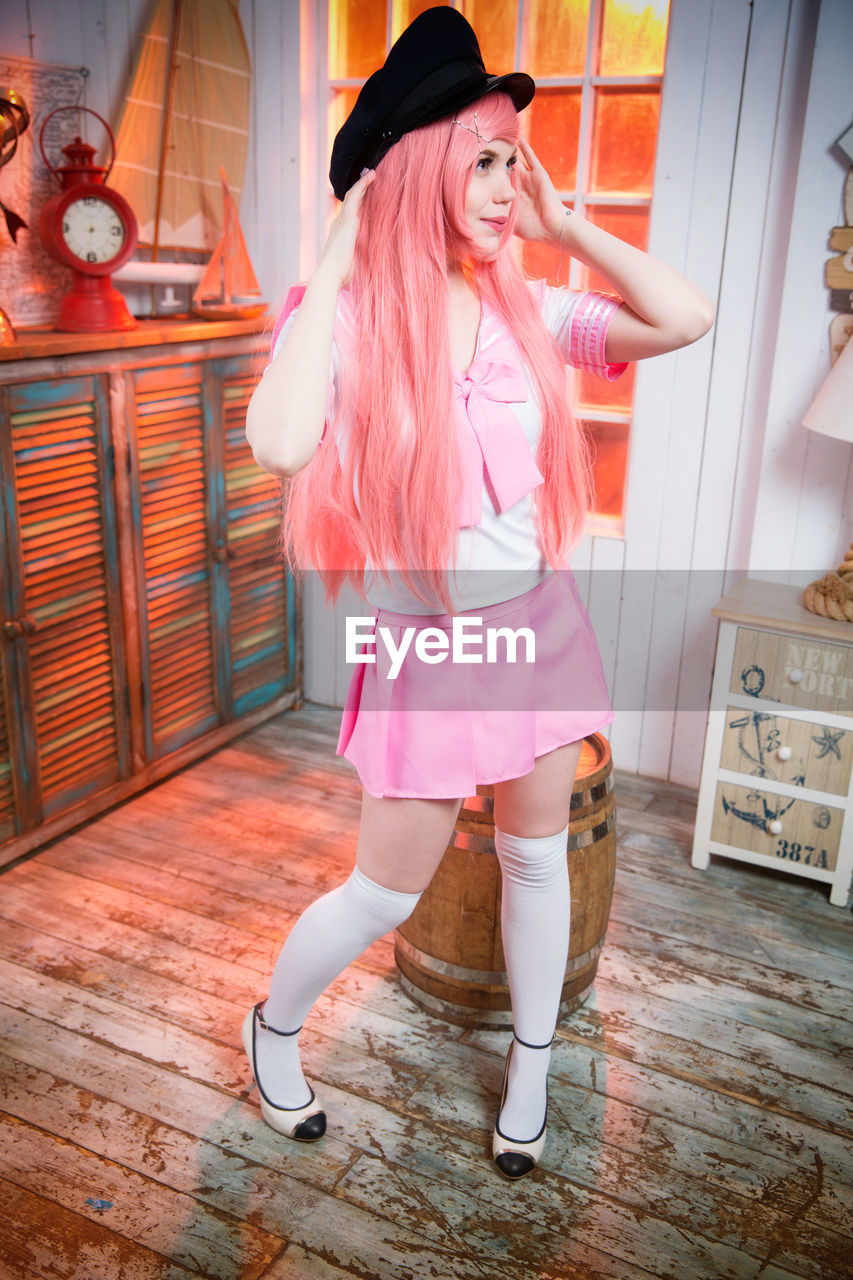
44,342
780,607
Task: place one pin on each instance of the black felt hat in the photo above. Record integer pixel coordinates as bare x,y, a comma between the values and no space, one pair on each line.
433,70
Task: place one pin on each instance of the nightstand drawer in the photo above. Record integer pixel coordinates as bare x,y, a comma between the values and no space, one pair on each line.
810,833
812,755
796,670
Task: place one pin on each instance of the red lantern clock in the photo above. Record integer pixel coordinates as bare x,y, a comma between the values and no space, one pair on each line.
91,229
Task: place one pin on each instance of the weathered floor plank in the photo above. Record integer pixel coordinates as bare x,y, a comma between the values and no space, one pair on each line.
700,1101
42,1240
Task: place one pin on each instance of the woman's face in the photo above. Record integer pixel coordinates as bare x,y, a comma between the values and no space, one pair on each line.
491,193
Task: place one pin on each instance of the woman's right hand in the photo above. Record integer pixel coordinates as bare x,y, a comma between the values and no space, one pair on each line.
339,251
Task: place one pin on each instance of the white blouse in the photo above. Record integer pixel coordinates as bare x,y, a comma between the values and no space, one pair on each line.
498,555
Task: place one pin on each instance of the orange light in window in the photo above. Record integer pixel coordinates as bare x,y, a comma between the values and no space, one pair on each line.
558,30
592,392
554,120
624,141
405,12
342,104
356,38
610,441
628,224
540,262
633,37
494,22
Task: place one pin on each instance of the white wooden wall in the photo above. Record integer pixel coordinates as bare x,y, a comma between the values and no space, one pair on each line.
723,480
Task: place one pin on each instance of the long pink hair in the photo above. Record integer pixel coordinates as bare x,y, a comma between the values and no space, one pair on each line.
399,454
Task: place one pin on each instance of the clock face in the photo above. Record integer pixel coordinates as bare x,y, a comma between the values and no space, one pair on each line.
93,230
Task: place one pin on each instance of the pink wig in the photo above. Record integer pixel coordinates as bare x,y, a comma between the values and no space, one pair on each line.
400,454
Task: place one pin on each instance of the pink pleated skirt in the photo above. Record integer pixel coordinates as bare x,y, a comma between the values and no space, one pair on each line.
433,726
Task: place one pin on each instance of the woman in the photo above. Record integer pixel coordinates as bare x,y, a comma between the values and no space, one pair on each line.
417,397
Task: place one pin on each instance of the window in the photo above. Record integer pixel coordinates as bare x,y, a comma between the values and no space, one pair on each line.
598,66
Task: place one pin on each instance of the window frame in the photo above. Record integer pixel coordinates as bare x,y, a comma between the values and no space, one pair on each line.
318,203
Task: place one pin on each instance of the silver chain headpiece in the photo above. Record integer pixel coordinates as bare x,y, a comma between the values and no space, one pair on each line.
481,141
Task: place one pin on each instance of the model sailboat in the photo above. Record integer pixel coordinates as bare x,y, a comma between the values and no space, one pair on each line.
185,123
229,289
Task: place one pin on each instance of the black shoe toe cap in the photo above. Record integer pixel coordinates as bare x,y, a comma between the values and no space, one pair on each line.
312,1128
514,1164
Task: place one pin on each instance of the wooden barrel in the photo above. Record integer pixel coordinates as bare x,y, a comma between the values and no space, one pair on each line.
449,952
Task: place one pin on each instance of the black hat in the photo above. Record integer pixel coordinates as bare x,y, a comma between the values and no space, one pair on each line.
433,70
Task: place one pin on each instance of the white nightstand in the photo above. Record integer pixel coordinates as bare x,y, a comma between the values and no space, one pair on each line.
776,775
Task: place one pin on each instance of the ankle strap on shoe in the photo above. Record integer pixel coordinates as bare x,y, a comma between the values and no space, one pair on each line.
259,1014
533,1046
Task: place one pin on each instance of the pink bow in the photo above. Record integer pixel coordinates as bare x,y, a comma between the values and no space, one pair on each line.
491,437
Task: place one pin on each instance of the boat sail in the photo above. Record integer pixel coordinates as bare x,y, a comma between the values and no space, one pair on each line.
229,289
185,114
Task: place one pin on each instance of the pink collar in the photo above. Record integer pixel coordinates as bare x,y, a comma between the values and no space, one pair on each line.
492,443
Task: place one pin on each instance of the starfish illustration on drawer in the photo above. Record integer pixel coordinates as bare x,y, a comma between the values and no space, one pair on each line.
828,742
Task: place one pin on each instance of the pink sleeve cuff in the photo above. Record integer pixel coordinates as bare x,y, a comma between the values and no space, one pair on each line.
294,296
588,333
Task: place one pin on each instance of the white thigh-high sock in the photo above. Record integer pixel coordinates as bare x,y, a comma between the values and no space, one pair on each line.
535,917
327,937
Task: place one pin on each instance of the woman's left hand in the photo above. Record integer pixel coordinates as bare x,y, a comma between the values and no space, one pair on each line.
540,209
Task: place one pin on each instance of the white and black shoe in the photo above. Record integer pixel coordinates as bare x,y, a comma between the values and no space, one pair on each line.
305,1124
514,1158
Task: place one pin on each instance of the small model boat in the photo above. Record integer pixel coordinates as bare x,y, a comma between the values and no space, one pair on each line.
229,289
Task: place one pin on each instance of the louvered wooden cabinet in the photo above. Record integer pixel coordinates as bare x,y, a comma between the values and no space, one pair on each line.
146,615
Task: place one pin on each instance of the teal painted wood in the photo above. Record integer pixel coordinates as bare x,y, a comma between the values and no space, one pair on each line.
17,757
67,667
112,562
217,535
262,613
173,425
244,601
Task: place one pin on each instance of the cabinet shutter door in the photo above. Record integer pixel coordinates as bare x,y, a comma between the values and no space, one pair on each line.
172,428
262,623
8,825
67,583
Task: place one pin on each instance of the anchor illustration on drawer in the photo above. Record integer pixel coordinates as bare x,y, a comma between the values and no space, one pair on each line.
769,817
801,753
793,829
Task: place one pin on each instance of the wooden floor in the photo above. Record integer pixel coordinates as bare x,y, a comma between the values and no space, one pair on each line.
700,1107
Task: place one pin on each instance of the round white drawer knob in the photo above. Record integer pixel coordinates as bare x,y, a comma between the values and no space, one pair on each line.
784,753
775,827
795,675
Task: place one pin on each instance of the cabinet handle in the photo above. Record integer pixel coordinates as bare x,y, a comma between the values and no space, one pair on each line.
220,554
795,675
774,828
17,627
784,753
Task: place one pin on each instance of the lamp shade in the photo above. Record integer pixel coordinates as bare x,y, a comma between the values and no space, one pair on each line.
831,411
